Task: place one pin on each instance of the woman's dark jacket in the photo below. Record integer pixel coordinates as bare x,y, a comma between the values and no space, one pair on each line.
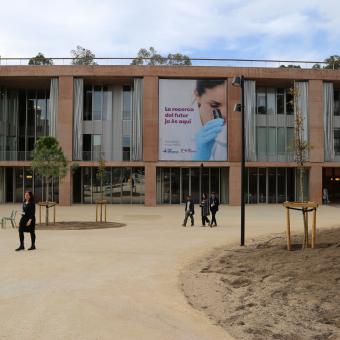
205,211
29,213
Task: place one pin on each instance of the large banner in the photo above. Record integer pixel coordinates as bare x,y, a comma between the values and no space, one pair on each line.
192,120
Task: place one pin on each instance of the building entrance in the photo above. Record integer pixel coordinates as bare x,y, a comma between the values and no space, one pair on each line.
331,181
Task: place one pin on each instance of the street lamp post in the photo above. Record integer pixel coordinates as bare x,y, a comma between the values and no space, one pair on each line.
239,82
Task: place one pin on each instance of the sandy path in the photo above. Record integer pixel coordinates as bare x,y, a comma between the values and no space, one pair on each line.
116,283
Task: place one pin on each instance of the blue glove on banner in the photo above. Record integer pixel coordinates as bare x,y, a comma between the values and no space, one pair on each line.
205,139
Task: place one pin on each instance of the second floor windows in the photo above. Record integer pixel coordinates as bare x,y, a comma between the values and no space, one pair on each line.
271,101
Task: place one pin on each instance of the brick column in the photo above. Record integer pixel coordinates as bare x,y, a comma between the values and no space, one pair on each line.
150,185
65,132
315,183
315,112
316,139
150,137
150,119
235,184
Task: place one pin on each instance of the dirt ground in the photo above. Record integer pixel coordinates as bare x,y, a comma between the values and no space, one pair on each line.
262,291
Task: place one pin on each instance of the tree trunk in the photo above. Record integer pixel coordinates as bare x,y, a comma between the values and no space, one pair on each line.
47,195
301,183
305,227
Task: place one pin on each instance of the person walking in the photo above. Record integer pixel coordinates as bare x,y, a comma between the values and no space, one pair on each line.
189,211
214,203
205,209
325,196
27,221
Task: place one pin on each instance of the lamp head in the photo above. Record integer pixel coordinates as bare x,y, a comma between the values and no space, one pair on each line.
238,107
237,81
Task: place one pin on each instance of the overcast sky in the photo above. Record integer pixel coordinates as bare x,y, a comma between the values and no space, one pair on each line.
255,29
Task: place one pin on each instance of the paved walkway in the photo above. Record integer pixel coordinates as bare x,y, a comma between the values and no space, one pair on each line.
118,283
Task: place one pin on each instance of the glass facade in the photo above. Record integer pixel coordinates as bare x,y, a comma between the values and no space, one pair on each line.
274,124
14,181
107,116
174,184
24,117
331,181
123,185
273,185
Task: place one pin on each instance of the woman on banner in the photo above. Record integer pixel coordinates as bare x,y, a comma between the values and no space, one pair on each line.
211,140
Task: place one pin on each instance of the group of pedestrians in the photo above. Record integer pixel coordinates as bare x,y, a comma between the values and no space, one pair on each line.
208,205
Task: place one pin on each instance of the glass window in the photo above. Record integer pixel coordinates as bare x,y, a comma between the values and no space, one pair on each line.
204,181
97,103
271,109
185,183
76,182
96,146
289,103
126,148
116,185
262,185
261,101
165,182
272,141
19,190
280,101
107,103
195,184
291,184
86,147
138,185
281,185
252,185
126,102
261,142
224,185
271,185
215,180
88,103
87,185
281,145
337,142
290,139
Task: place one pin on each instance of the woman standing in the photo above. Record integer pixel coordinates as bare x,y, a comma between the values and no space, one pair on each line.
27,221
205,211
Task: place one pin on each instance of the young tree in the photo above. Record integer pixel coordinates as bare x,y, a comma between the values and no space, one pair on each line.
82,56
49,161
301,146
151,57
301,150
40,59
101,175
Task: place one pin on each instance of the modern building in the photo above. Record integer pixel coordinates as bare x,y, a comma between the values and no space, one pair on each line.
154,127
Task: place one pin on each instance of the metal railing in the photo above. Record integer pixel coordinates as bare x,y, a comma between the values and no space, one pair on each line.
16,155
233,62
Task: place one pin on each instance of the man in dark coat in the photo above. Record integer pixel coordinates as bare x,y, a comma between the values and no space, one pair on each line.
189,211
214,203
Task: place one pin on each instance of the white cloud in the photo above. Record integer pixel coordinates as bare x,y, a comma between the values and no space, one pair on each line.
266,28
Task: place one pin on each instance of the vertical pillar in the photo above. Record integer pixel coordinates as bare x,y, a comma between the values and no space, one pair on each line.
65,133
315,183
150,185
235,184
150,119
150,137
315,111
